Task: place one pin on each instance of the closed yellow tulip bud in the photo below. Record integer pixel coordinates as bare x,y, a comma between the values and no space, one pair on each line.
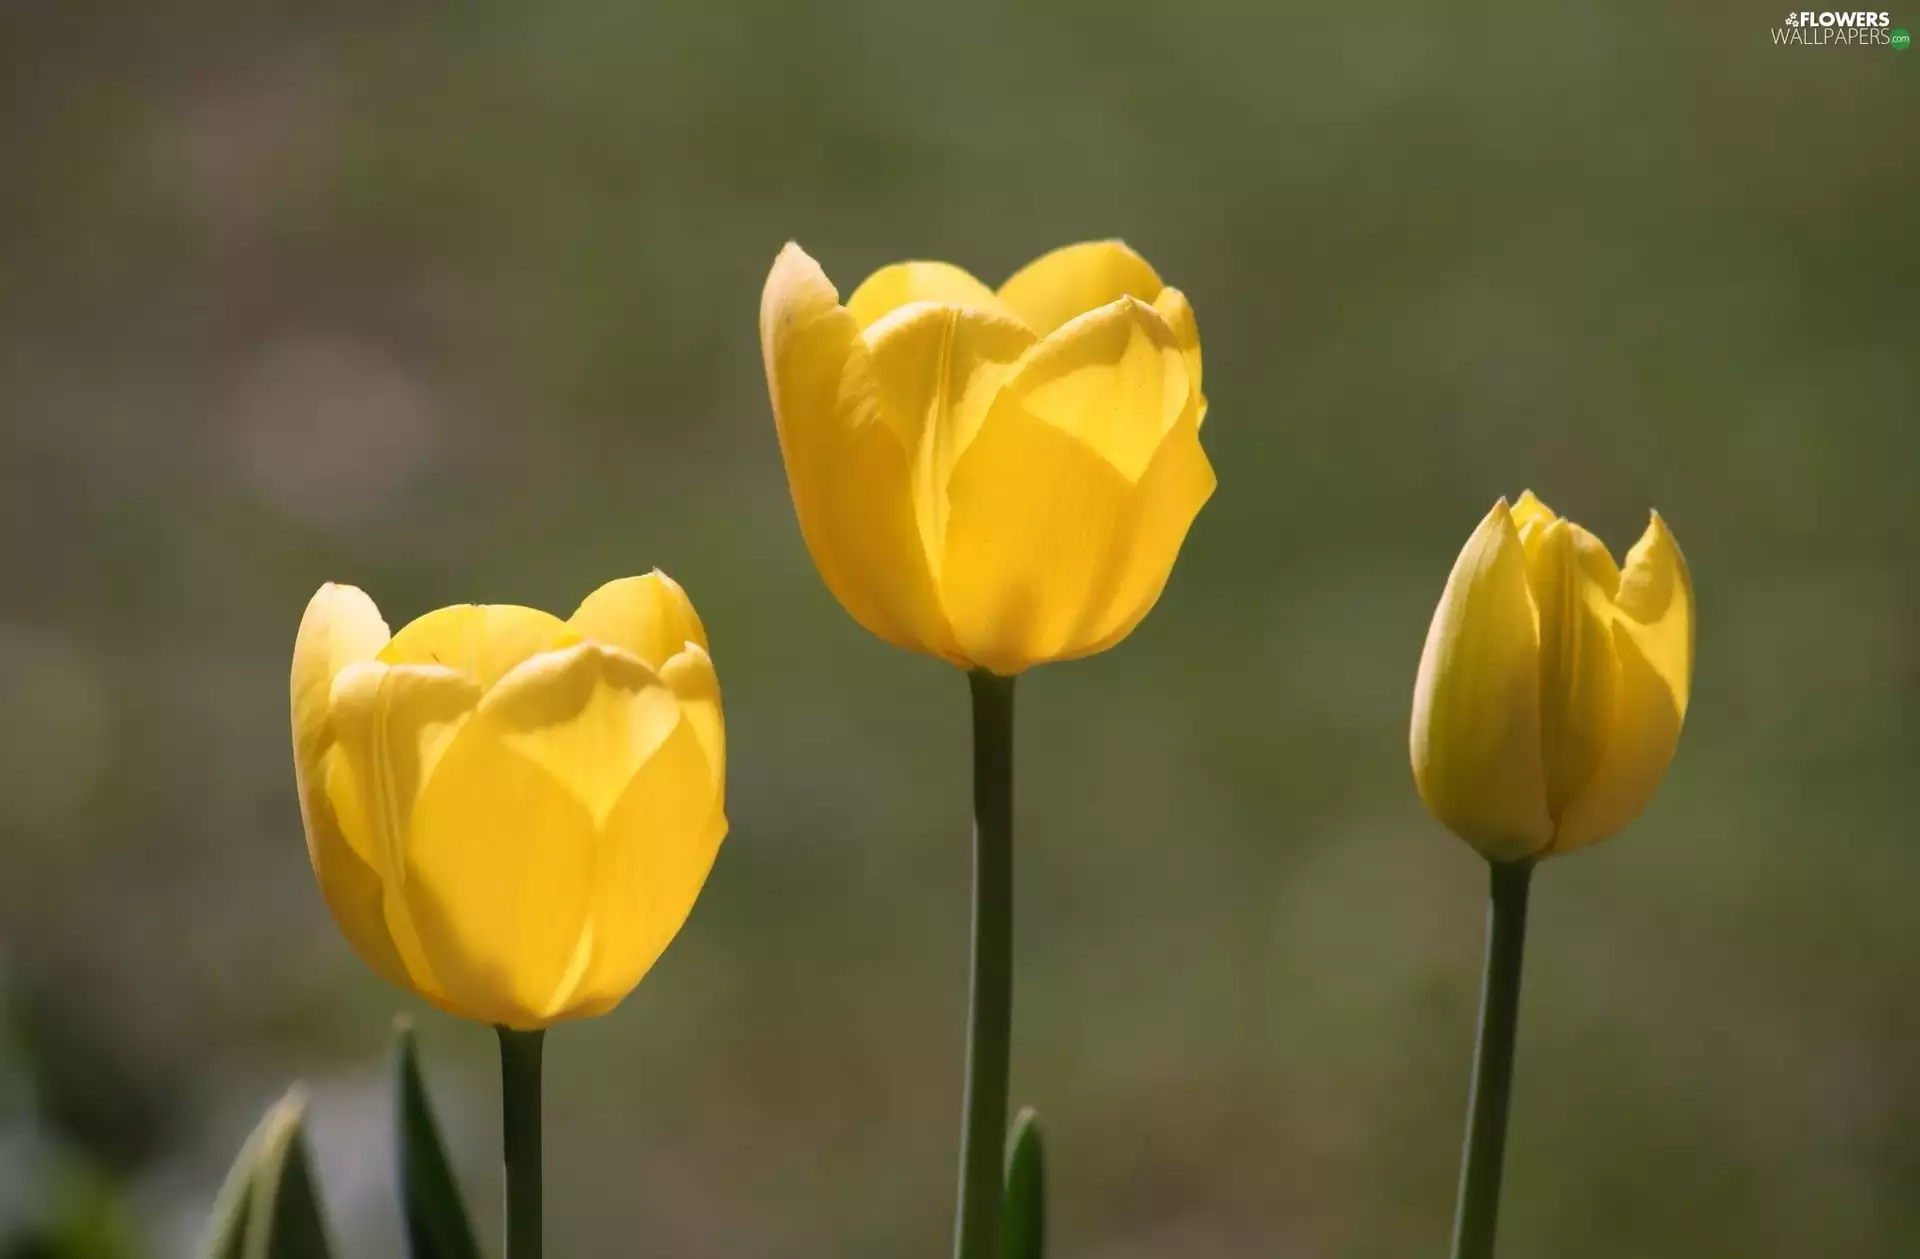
997,478
1553,684
510,814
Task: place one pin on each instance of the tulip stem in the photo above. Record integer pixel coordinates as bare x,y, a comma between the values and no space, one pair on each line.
983,1116
520,1138
1478,1207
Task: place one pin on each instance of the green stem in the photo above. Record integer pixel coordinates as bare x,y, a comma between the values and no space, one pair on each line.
520,1138
1478,1208
983,1119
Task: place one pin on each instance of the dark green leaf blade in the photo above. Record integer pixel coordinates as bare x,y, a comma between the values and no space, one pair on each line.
285,1219
227,1228
1023,1219
269,1208
430,1202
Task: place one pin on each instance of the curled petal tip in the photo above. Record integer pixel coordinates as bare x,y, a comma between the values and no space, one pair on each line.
794,266
1657,534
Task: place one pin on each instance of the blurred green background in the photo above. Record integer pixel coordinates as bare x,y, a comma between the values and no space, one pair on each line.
458,302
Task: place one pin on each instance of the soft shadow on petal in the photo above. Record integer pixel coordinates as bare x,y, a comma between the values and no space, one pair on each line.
1645,732
1035,518
691,677
849,475
1653,645
649,616
1577,670
937,370
393,724
1596,561
1173,307
1656,596
1114,378
482,640
656,849
499,879
1177,484
1475,738
1075,279
590,715
1590,552
903,283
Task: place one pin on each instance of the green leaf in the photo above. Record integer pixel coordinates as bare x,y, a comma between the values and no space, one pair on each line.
227,1230
1023,1218
436,1218
268,1208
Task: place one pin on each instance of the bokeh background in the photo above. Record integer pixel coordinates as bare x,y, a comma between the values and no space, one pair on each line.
459,302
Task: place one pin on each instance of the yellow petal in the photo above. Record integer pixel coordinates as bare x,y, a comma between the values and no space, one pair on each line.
1036,517
341,626
1046,516
1596,561
657,847
1577,669
890,288
393,724
1114,378
691,677
849,475
937,369
1176,485
1653,644
1075,279
352,888
505,846
649,616
1173,307
1590,552
1528,509
590,715
1475,736
1656,599
482,641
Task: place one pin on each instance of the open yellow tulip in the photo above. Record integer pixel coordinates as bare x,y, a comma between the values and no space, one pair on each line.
1553,685
997,478
510,814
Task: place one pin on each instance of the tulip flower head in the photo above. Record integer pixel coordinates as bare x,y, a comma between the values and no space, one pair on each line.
998,478
1553,684
510,814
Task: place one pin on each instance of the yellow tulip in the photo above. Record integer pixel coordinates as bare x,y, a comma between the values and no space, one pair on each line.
510,814
996,478
1553,684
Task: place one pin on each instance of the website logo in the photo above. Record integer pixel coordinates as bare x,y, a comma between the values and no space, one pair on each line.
1857,29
